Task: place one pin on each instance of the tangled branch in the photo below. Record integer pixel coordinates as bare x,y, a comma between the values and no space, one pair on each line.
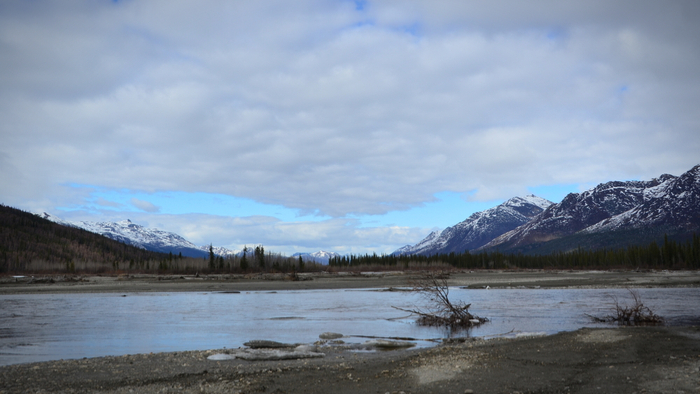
441,312
636,314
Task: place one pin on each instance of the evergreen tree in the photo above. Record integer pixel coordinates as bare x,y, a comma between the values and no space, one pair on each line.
244,259
260,256
212,258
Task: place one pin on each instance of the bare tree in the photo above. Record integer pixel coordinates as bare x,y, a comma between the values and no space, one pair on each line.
441,311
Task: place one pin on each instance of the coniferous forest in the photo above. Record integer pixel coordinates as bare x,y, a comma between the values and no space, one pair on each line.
669,254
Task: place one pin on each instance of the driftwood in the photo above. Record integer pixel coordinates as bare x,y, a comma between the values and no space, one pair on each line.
636,314
441,311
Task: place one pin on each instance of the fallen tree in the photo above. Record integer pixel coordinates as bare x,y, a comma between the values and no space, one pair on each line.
441,311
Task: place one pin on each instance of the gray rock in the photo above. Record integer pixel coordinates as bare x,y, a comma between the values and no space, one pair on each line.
330,335
387,344
263,344
220,357
275,354
306,348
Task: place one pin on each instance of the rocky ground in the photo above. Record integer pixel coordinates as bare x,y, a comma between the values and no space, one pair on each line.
615,360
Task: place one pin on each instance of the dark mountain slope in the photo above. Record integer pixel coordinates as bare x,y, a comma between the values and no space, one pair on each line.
480,227
674,203
26,238
612,215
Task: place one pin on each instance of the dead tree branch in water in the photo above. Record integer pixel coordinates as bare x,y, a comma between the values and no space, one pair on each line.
636,314
442,311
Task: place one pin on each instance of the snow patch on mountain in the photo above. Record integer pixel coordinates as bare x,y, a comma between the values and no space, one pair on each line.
321,256
142,237
667,201
674,201
480,227
426,243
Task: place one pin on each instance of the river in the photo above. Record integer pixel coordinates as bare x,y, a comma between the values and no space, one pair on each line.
40,327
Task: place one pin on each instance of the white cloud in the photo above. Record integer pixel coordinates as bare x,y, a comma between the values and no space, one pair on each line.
316,106
107,203
144,205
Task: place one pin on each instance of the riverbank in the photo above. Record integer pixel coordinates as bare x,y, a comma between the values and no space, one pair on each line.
343,280
615,360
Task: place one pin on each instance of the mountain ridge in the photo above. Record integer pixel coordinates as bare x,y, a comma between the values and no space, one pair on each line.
480,227
146,238
30,242
646,210
610,215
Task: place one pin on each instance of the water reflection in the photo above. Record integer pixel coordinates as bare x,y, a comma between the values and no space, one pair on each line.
61,326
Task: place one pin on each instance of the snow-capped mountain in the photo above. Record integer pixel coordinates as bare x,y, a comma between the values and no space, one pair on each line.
480,228
673,203
147,238
667,204
221,251
321,256
425,244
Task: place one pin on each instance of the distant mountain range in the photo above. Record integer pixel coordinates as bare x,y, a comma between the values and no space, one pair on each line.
320,257
163,241
146,238
610,215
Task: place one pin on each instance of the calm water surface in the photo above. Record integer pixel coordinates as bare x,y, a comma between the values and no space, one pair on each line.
40,327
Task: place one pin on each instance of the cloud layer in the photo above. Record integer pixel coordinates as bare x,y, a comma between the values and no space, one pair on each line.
342,108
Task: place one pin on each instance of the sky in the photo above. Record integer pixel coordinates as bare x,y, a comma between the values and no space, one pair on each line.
346,126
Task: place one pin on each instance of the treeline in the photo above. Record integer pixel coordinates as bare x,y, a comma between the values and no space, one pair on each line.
32,244
669,254
256,259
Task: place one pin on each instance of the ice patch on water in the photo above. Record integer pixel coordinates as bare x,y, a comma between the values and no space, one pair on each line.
220,357
530,334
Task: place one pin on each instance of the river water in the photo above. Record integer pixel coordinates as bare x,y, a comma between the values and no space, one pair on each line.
40,327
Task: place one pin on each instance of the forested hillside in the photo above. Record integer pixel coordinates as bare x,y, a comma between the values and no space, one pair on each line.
29,242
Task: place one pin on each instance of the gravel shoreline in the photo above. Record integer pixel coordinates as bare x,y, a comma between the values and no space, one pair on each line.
619,360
